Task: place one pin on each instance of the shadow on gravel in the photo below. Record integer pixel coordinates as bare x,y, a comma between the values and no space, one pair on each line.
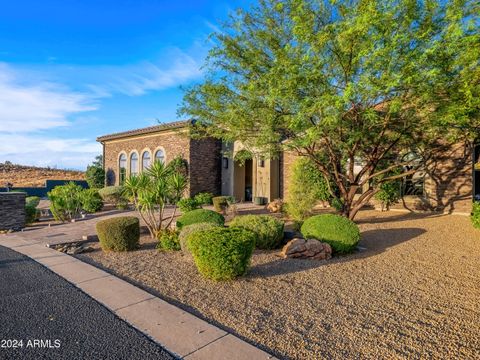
397,218
373,242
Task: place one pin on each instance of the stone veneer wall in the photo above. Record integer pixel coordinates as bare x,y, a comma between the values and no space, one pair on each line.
174,143
205,166
12,210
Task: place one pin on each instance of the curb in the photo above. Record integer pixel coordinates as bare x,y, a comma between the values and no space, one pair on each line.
178,331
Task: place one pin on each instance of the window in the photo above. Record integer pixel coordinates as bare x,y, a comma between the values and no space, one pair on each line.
146,160
160,156
122,166
134,164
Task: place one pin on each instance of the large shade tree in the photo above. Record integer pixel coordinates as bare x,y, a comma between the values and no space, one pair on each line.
363,88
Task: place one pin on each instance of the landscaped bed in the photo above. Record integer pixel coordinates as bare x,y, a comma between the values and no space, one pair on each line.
412,292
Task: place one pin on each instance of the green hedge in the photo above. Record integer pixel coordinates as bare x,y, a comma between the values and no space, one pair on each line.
119,233
187,204
341,233
190,229
475,216
200,216
222,253
168,240
204,198
91,201
268,229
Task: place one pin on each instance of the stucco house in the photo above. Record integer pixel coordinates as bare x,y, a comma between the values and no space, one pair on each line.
446,184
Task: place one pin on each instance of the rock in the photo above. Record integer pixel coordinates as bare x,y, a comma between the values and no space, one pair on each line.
306,249
275,206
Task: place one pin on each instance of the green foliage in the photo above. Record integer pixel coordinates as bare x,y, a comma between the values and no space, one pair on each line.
168,240
119,233
153,190
66,201
200,216
220,203
31,213
222,253
188,204
204,198
190,229
475,216
342,82
341,233
268,229
389,194
91,200
95,175
307,187
32,201
113,195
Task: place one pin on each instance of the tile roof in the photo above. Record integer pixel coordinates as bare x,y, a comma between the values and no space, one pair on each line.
147,130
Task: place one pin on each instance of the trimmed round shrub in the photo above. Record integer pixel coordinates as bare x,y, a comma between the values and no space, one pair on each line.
339,232
168,240
91,201
119,233
200,216
222,253
188,204
268,229
113,195
190,229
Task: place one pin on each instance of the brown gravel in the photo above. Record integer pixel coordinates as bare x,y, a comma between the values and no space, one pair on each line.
414,292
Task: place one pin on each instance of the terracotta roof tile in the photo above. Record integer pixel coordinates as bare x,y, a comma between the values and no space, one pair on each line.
147,130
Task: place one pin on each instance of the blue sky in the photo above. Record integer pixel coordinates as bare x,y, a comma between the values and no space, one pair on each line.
71,70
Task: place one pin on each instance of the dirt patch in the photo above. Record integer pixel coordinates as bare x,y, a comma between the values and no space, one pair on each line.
411,292
31,176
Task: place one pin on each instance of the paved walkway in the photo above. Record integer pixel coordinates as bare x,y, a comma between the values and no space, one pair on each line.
180,332
38,305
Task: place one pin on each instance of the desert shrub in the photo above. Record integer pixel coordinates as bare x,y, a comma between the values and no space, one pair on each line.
113,195
188,204
200,216
220,203
222,253
341,233
168,240
268,229
119,233
190,229
66,201
95,175
475,216
32,201
204,198
91,201
31,214
389,194
307,187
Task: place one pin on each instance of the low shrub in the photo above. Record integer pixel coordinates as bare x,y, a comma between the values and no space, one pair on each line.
188,204
113,195
389,194
204,198
31,211
200,216
190,229
341,233
220,203
119,233
168,240
91,201
222,253
268,229
66,201
475,216
32,201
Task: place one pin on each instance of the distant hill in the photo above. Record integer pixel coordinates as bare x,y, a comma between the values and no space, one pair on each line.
32,176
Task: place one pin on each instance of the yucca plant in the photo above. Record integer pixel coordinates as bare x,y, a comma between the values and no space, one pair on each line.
152,191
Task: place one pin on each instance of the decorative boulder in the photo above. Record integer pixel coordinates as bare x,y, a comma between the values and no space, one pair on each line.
306,249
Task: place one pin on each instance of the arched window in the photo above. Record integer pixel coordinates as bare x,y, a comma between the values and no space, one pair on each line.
134,164
160,156
122,168
146,161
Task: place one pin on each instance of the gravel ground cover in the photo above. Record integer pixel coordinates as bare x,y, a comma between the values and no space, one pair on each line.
412,291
